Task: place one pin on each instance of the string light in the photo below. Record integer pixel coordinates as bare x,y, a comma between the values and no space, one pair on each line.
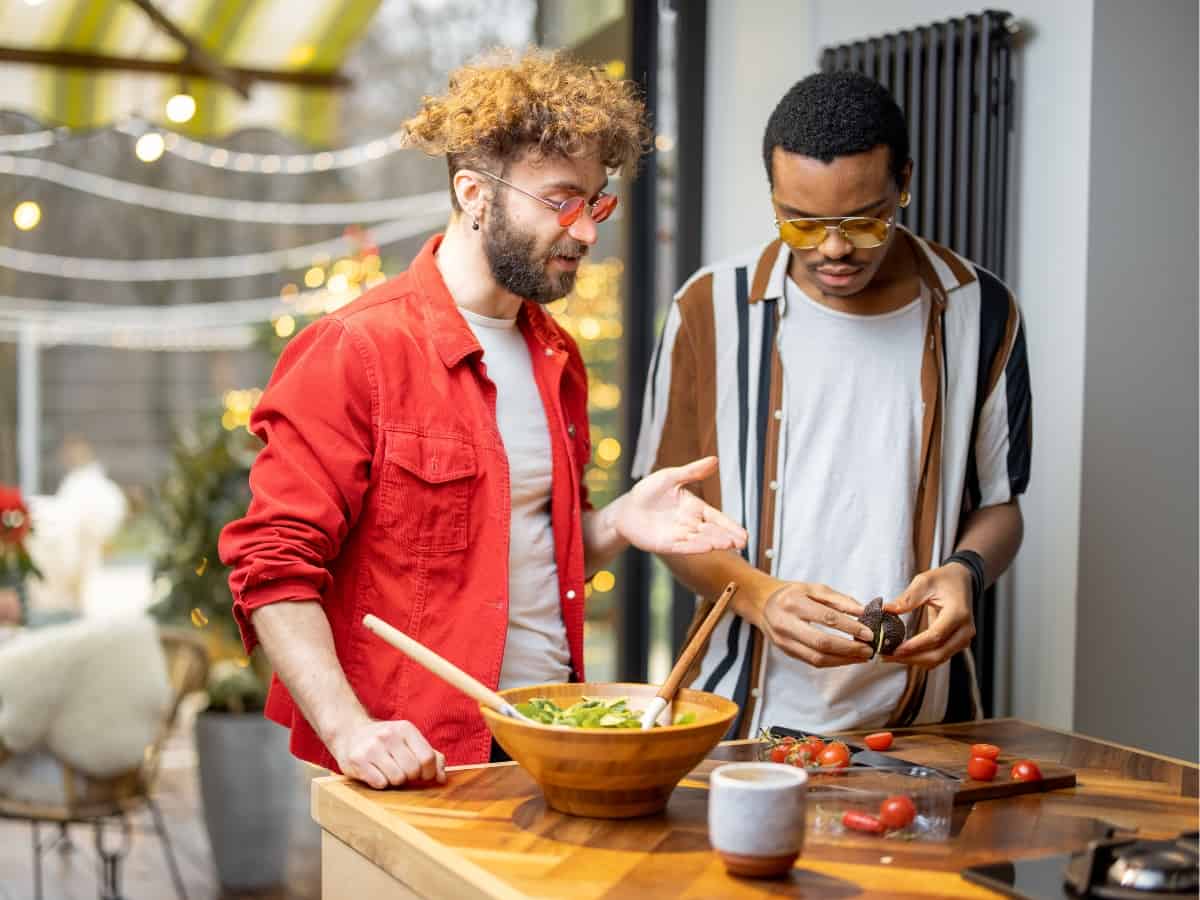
216,325
27,215
32,140
181,108
608,451
216,157
238,406
602,395
604,581
149,147
203,267
209,207
220,157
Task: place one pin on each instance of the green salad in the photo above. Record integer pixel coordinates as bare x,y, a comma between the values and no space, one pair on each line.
590,712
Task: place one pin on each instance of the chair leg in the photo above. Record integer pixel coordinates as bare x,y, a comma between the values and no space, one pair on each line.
161,827
37,862
64,843
110,860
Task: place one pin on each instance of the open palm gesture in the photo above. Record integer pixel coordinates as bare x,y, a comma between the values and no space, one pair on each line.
660,515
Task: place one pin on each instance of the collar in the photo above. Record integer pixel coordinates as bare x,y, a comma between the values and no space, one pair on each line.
448,329
941,270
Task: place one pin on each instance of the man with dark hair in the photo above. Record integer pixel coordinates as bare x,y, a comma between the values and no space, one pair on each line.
425,446
867,394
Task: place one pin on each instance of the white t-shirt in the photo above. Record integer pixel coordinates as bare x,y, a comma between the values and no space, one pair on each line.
852,387
536,650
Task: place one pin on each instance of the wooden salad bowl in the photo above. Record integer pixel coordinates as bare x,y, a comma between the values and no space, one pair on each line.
611,773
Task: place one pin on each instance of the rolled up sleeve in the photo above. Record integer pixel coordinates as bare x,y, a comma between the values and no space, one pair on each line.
316,420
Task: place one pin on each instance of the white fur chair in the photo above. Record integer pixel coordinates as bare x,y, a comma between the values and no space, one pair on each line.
53,782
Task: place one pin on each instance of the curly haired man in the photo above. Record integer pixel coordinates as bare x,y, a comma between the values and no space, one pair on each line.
425,446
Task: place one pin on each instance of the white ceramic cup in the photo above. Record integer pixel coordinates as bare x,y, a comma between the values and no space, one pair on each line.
756,817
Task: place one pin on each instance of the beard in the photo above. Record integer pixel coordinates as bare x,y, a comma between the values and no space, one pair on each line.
520,267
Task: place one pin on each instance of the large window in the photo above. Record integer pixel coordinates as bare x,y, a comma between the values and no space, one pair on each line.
636,616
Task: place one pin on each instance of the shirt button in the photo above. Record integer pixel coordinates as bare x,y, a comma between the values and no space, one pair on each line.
571,430
570,595
774,485
549,351
754,693
779,413
770,554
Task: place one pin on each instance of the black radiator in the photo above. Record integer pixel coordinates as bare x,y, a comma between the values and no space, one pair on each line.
953,80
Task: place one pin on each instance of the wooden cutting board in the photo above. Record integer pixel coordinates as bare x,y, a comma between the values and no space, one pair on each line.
935,750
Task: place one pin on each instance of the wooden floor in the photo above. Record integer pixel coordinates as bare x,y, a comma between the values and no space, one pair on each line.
72,875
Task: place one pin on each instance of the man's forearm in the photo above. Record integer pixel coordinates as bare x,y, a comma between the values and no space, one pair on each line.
299,644
708,573
995,533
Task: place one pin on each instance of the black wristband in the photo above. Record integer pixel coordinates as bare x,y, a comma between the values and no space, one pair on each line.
974,563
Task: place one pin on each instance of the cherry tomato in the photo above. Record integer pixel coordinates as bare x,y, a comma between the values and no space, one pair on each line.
835,755
861,821
985,751
779,753
1026,770
879,741
897,811
814,744
798,755
981,768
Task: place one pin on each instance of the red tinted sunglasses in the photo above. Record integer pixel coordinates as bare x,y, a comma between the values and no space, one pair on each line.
570,210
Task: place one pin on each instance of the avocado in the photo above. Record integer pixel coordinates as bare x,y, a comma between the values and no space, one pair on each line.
888,628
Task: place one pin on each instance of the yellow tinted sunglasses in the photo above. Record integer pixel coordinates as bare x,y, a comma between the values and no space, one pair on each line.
862,232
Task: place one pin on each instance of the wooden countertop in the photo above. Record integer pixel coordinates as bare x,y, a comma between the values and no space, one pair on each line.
488,834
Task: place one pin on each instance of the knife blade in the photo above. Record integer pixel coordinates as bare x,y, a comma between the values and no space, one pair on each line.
879,760
860,755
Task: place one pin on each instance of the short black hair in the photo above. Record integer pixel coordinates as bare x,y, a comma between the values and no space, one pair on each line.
832,114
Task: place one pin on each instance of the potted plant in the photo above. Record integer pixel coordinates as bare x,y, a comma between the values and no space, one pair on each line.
247,774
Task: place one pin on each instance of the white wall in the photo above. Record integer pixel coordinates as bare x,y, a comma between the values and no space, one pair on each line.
1138,533
756,51
778,43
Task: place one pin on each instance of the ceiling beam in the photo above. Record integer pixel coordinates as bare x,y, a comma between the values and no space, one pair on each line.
69,59
193,51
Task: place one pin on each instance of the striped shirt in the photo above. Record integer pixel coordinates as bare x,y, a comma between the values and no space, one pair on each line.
719,391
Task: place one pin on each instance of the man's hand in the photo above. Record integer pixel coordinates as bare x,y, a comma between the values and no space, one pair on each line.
387,753
660,515
791,612
947,590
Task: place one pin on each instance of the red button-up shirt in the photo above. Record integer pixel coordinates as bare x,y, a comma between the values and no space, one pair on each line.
383,487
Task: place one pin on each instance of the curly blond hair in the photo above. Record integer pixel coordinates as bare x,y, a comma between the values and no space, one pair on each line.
542,102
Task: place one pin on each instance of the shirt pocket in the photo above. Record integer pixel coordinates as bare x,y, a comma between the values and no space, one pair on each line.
425,494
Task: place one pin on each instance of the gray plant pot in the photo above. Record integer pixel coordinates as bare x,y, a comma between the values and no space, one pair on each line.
249,785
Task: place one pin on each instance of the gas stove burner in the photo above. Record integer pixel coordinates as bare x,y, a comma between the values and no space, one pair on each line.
1132,869
1166,868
